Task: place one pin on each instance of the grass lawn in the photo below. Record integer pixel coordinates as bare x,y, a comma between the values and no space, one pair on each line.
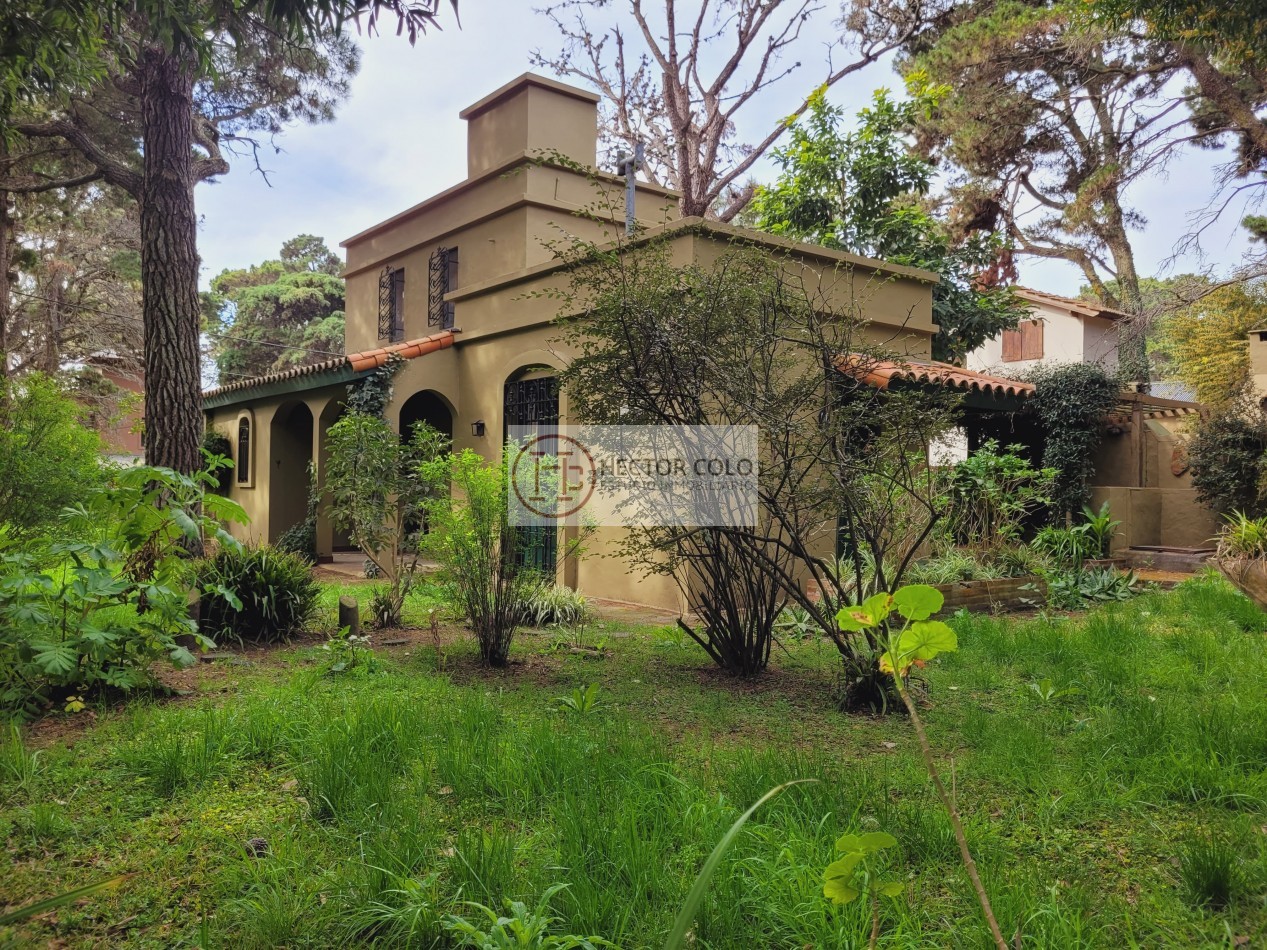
1111,766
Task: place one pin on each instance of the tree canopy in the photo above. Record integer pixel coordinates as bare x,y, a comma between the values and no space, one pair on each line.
867,191
280,313
1207,342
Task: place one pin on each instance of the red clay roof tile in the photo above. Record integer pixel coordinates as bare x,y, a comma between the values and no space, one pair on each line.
358,362
880,373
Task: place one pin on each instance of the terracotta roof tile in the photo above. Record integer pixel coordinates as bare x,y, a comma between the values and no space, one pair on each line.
880,373
358,362
1084,307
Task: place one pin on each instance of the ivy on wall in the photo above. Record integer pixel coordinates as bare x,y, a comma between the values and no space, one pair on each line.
372,394
1071,402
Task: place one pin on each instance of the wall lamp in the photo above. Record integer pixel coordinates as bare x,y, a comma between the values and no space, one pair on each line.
477,428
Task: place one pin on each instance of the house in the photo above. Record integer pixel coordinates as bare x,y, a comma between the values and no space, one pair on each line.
1141,466
452,286
1061,330
112,391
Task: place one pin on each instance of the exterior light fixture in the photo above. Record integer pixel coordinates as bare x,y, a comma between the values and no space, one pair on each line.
477,428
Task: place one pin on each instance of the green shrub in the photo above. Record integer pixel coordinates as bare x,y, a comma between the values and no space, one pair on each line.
216,445
1227,457
955,564
478,550
1085,587
1022,560
77,616
48,460
1071,401
1066,547
547,604
992,492
275,593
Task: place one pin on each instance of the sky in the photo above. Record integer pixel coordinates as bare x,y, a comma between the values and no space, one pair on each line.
397,140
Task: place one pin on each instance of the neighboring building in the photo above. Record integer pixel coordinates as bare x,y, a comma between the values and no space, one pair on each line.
114,397
1062,330
453,286
1258,363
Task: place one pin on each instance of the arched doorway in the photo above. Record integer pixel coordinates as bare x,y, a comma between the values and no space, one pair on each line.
531,398
290,454
426,407
329,539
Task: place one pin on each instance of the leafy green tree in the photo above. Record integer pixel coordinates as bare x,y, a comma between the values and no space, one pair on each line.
378,497
173,59
1047,126
48,460
284,312
1207,342
867,192
478,550
1229,460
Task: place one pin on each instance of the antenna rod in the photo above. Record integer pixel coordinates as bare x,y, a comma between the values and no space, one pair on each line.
629,168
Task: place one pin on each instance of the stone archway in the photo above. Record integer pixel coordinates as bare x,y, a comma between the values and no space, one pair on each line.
426,406
290,454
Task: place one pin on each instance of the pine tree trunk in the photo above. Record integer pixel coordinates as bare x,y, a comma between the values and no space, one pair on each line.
169,264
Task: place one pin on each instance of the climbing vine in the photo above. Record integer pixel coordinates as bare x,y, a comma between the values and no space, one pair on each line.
372,394
1071,402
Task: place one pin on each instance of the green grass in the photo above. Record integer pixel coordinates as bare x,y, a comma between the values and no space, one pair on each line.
1124,804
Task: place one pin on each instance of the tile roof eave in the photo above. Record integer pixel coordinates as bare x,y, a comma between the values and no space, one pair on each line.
327,373
881,373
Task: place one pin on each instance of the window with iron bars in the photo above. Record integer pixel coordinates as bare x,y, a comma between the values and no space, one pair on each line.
391,304
442,278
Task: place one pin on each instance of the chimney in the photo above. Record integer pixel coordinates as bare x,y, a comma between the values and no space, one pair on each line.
531,114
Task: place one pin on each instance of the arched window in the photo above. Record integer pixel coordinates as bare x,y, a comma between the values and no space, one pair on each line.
243,461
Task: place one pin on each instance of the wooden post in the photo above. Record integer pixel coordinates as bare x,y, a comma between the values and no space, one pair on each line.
1137,429
350,615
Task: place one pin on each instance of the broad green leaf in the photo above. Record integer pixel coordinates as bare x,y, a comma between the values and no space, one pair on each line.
874,841
55,659
924,639
843,867
839,891
918,601
891,888
868,614
848,844
187,525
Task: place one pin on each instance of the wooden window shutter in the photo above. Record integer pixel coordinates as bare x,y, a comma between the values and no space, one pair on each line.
1032,340
1011,346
